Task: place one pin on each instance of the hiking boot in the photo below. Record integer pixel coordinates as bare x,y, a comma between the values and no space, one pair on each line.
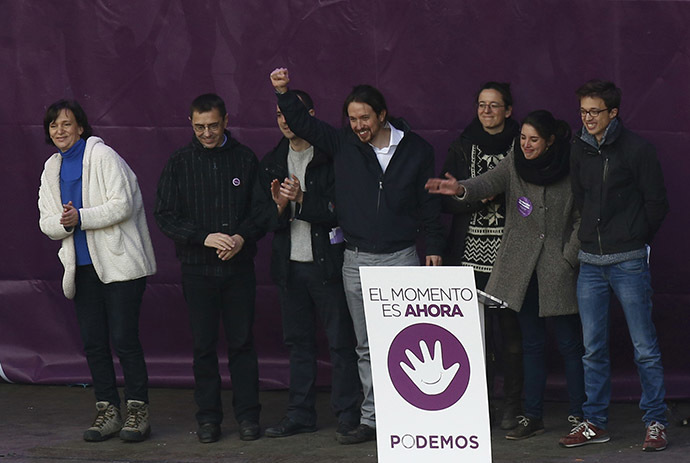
583,434
136,427
106,424
361,433
527,427
655,439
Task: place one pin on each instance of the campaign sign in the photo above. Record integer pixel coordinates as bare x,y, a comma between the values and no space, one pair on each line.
427,361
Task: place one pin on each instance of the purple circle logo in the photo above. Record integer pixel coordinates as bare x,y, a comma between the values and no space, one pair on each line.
236,181
524,206
428,366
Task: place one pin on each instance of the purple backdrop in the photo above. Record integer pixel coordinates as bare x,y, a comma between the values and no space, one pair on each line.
136,66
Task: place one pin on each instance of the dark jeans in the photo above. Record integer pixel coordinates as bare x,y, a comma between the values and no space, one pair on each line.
568,332
229,299
110,313
305,297
510,356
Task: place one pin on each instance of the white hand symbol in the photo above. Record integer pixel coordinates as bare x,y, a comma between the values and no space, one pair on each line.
428,374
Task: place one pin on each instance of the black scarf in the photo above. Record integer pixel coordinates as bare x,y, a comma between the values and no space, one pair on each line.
492,144
551,166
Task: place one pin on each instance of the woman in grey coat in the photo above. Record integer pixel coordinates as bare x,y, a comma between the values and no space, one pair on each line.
535,269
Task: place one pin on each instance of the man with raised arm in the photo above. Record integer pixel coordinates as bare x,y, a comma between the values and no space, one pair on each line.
381,167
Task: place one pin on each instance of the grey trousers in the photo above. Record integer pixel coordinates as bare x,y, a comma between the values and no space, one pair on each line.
353,292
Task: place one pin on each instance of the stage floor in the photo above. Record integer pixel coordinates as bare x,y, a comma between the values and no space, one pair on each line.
45,424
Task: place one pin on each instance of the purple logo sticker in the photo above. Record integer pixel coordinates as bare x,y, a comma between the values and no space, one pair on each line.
524,206
236,181
428,366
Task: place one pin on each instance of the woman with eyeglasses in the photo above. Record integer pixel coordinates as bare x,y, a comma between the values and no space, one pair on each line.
476,230
535,268
90,200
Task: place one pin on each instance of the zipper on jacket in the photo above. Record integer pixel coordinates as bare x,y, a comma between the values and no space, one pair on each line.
606,170
603,181
378,197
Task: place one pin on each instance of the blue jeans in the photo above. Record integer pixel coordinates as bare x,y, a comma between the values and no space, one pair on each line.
567,331
631,283
109,313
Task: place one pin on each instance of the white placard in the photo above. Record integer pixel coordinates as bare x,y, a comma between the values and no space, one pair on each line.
427,360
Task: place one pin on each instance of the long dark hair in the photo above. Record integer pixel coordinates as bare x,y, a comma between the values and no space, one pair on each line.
369,95
546,126
554,163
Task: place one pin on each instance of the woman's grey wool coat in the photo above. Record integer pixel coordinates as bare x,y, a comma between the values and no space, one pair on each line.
545,240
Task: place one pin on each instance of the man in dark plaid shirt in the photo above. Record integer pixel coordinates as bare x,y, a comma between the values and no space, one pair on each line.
204,204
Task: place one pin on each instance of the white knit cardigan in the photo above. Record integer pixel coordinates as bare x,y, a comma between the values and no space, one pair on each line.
112,215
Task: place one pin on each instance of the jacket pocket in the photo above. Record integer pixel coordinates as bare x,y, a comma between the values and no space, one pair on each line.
113,239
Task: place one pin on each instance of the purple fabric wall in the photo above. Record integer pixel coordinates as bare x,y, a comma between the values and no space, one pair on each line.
136,66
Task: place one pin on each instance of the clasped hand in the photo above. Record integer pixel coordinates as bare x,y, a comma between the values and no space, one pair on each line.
226,246
70,216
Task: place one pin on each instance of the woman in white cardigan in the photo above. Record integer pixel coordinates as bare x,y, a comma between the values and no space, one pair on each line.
89,199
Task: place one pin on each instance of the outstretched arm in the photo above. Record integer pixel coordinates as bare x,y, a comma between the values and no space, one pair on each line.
445,186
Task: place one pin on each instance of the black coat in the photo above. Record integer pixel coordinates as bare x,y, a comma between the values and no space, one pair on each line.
318,208
378,212
619,190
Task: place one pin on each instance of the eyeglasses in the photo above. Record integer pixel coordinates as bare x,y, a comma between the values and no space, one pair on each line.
492,106
201,128
592,112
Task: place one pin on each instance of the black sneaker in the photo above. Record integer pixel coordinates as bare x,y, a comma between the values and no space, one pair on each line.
527,427
288,427
107,423
361,433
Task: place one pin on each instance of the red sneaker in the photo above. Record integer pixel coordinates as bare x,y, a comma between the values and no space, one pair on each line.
655,439
583,434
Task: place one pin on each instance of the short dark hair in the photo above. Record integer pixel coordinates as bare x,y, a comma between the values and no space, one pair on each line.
546,126
305,99
208,102
603,89
53,112
501,87
369,95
